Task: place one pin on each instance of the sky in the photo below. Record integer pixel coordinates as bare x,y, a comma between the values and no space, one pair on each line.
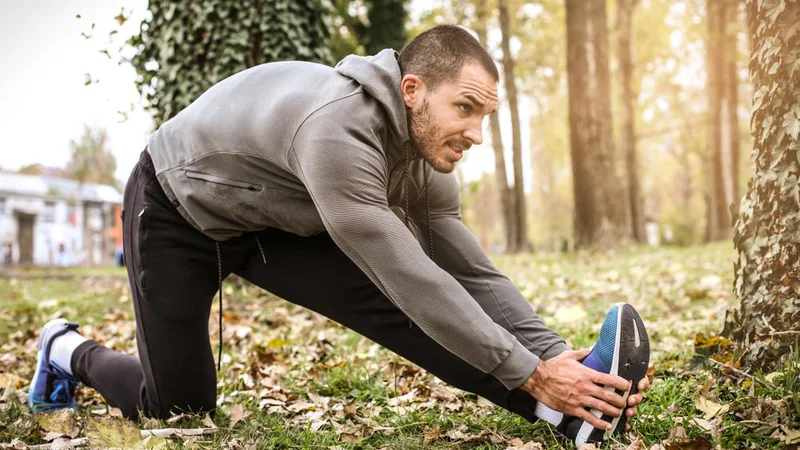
45,103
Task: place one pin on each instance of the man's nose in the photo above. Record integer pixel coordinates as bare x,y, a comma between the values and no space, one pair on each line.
474,133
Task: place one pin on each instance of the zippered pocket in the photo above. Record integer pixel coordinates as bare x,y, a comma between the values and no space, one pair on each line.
223,181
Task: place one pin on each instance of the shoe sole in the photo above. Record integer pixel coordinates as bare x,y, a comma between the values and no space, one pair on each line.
631,359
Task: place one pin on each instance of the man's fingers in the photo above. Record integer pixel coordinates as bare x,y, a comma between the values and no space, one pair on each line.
632,411
611,380
576,354
604,407
608,396
591,418
644,384
635,399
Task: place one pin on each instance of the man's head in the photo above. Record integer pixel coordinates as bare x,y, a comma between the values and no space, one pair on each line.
449,84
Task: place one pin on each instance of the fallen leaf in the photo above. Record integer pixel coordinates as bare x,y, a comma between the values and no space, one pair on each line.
237,414
483,403
710,408
791,437
687,444
441,392
638,444
51,435
112,432
61,421
207,421
517,444
432,434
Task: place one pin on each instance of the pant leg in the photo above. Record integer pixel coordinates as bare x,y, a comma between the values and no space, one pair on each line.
313,272
173,275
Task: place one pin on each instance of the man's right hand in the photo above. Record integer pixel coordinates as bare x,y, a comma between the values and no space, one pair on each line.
566,385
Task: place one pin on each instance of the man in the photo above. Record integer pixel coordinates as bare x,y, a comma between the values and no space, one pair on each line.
332,188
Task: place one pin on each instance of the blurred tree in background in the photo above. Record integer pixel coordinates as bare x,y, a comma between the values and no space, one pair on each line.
624,31
184,48
600,210
722,25
519,213
365,27
91,160
767,232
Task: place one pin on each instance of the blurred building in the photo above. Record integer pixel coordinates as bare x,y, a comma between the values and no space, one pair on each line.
50,221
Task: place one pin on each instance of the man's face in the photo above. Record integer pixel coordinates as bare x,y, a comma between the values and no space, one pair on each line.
445,122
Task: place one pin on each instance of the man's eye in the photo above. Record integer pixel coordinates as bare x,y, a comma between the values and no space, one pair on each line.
465,108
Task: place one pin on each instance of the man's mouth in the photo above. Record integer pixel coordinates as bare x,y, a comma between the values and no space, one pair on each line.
458,150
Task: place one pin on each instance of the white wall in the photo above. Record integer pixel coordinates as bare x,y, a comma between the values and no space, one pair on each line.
48,234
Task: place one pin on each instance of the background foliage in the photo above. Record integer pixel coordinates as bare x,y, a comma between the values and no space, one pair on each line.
186,47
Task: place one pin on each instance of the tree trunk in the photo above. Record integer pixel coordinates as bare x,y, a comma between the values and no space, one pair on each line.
503,191
628,141
732,99
520,243
598,222
615,191
767,236
719,226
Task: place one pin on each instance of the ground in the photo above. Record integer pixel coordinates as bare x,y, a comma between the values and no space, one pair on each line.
292,379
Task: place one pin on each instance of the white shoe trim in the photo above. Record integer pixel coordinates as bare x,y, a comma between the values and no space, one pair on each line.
586,427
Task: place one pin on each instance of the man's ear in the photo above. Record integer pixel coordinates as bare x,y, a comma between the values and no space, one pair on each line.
412,89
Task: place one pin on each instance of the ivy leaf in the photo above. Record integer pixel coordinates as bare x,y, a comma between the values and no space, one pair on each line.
791,122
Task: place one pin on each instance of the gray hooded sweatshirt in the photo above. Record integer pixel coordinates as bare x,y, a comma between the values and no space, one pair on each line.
307,149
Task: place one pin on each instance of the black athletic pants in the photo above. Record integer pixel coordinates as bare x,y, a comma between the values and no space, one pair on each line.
173,274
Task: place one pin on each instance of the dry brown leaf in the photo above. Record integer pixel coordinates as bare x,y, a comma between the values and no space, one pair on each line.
517,444
638,444
483,403
687,444
237,414
710,408
207,421
441,392
432,434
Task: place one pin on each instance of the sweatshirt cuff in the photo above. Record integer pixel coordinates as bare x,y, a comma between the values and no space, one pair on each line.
517,367
554,350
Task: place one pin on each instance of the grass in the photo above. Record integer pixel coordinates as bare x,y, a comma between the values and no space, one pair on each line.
304,382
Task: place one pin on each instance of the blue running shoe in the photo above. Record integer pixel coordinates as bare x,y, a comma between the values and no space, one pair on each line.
52,387
622,349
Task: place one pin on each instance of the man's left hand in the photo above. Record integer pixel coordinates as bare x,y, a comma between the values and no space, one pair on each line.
636,399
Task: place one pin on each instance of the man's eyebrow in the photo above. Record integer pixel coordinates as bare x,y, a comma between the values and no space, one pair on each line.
474,99
478,102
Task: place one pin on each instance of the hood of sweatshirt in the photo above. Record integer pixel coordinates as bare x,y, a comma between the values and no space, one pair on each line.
380,77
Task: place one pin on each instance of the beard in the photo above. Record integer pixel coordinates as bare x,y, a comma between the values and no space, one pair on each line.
424,133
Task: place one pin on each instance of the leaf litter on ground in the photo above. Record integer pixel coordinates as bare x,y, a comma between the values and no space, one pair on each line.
296,370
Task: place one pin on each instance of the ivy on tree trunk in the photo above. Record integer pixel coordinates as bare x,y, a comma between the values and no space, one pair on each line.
184,48
767,232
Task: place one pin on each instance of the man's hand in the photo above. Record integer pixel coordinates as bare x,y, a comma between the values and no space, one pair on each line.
566,385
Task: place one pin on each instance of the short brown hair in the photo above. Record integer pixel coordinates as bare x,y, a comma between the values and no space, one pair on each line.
438,54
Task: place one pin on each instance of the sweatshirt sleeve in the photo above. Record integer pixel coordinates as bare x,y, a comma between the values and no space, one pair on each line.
456,251
337,157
